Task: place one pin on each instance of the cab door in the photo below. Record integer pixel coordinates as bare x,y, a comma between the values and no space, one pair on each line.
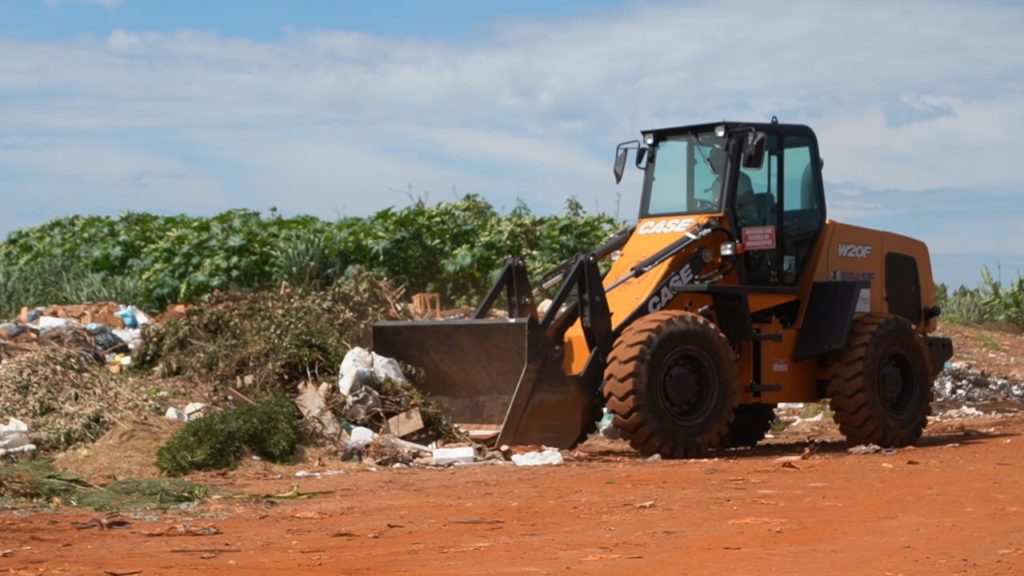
779,209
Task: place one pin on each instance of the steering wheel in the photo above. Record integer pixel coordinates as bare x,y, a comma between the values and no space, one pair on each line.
701,204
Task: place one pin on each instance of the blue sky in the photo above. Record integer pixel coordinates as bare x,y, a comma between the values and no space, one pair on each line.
339,108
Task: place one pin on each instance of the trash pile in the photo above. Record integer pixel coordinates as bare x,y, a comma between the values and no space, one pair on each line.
377,415
962,382
63,383
105,332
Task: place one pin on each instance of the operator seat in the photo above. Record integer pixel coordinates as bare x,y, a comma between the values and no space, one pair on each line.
766,208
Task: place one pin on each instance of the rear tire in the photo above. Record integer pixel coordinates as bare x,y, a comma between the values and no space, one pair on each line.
880,387
671,382
751,424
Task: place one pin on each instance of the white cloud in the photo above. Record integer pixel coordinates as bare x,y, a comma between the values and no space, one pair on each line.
904,97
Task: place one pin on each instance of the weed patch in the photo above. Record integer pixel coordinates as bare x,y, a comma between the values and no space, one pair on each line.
38,482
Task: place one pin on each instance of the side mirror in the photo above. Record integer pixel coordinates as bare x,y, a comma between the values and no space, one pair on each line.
753,150
622,152
620,163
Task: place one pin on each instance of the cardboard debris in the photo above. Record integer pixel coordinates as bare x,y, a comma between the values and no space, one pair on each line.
406,423
313,408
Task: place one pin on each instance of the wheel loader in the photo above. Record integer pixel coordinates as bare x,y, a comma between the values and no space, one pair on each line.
732,293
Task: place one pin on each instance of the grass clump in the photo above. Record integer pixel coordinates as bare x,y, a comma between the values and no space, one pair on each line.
269,428
38,482
158,494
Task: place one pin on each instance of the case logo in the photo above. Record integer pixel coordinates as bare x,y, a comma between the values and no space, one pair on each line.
665,226
669,289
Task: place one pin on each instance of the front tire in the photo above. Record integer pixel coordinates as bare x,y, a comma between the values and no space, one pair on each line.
880,387
671,383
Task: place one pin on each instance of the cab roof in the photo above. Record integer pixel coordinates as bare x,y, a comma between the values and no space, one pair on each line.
731,126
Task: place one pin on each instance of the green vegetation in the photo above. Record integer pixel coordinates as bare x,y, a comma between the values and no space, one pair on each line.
269,428
37,482
454,248
270,338
991,301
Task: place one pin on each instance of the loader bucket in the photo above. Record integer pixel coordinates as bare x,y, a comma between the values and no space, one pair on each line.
495,375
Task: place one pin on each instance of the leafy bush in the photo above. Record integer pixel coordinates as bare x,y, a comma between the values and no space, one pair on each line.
1003,304
454,248
269,428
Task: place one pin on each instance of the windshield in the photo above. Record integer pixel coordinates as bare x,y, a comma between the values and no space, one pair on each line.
686,175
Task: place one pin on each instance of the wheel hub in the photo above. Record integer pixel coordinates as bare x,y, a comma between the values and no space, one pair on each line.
895,383
687,386
681,385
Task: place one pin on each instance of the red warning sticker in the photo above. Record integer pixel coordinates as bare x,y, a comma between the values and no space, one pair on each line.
759,238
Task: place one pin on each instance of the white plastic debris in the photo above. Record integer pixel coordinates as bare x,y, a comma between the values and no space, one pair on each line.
961,412
175,414
547,457
142,317
131,336
463,454
864,449
360,437
323,474
360,363
14,438
355,360
45,323
385,368
358,366
192,411
131,316
606,426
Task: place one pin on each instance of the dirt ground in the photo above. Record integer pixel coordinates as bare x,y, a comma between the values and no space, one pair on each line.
952,505
799,504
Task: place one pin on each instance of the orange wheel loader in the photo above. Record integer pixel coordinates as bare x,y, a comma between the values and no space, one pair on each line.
733,292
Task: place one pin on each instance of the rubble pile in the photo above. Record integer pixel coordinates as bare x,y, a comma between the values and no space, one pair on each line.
962,382
105,332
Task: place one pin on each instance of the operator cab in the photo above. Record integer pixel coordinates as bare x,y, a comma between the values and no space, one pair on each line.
763,179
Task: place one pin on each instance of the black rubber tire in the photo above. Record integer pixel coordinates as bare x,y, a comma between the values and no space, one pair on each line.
671,382
750,425
880,386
